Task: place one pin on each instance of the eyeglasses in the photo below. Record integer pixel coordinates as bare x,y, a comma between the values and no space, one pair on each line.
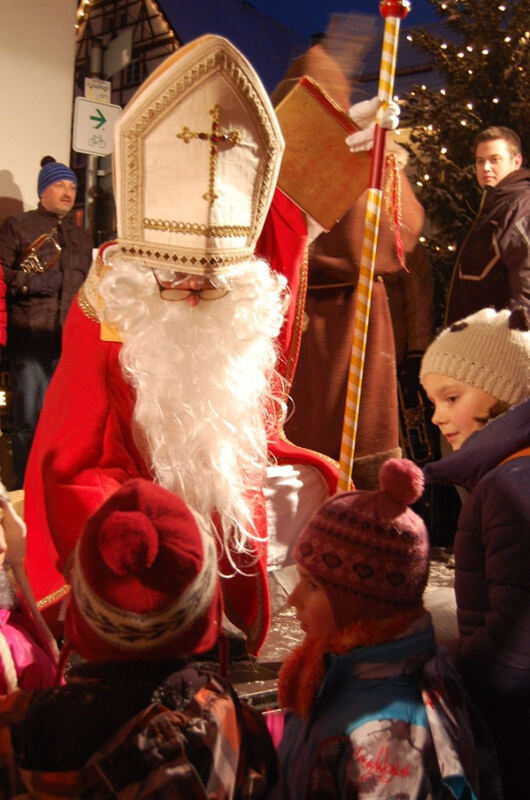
176,294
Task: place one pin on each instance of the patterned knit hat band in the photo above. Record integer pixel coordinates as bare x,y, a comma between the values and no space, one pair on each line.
368,550
489,350
144,579
52,173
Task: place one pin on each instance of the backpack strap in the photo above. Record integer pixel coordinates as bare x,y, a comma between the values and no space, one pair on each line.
524,451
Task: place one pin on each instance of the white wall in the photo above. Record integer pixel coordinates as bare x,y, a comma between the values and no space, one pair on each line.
37,54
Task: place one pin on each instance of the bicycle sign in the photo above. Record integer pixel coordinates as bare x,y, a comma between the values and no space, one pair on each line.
94,126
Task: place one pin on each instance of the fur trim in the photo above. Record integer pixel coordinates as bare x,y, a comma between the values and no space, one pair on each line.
304,669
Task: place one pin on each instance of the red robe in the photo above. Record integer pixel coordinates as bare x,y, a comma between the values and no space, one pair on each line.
84,450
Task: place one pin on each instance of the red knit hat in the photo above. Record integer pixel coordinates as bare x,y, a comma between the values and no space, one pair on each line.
144,580
368,550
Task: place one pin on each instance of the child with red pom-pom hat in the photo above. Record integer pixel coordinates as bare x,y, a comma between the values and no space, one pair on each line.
140,717
374,708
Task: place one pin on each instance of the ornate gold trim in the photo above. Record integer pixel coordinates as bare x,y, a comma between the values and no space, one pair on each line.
86,306
194,261
54,597
292,359
195,228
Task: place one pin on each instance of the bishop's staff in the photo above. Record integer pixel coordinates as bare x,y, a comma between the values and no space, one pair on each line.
393,11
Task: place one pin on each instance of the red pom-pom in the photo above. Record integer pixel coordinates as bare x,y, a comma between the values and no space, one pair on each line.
128,542
402,480
394,8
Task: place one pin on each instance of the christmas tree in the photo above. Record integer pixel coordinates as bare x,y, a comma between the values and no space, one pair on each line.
483,58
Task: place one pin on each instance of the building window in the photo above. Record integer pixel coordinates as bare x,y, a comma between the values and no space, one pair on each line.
132,74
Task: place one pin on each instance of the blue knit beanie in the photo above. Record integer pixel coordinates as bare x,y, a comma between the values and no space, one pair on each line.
51,173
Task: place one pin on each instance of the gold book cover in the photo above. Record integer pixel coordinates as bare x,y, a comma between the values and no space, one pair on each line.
319,172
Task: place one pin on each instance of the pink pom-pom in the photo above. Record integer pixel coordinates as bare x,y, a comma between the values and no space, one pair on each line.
128,542
402,480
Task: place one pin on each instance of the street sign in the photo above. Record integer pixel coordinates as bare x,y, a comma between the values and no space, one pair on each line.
94,126
117,53
96,89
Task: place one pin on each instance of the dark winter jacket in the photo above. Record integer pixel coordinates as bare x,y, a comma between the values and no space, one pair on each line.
122,730
37,303
388,721
493,265
492,553
492,583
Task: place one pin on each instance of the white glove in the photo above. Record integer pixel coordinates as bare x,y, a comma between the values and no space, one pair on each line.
364,115
361,140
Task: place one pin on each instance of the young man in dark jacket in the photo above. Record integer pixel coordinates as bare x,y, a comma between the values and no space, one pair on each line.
45,257
493,265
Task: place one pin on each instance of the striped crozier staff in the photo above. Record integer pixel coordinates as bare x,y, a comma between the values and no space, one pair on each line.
393,11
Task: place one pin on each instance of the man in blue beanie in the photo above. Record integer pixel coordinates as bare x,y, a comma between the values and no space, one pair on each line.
45,257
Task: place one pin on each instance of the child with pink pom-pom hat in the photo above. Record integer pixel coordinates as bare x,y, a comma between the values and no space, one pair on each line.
373,708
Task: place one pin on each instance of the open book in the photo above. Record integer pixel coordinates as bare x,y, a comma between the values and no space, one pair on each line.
318,172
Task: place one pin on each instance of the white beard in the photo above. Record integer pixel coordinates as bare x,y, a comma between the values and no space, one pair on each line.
202,378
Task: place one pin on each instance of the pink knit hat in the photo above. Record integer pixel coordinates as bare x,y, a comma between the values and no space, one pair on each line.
144,580
368,550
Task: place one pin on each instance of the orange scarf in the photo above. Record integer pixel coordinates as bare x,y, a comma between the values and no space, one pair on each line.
304,669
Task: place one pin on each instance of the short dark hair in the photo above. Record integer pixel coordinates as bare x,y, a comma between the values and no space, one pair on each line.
512,139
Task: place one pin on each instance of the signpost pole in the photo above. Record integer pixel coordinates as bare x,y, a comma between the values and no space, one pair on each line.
96,65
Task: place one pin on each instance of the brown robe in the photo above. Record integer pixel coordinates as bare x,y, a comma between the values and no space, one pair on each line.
319,388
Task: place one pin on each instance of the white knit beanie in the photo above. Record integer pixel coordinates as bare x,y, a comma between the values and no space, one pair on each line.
489,350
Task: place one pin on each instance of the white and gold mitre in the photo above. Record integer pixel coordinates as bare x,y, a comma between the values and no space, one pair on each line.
196,158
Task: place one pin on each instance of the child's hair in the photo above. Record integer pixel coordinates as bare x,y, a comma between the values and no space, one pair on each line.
489,350
496,410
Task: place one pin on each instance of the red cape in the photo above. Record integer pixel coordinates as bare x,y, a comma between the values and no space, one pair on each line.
83,448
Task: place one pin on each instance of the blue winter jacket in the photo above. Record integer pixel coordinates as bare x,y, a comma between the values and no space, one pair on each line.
379,728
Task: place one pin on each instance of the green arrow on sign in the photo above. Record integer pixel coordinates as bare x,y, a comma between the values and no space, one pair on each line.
100,119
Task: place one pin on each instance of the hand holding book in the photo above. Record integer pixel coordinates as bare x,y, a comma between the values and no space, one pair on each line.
364,114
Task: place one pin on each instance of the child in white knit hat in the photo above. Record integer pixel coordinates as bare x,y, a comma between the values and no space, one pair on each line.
477,375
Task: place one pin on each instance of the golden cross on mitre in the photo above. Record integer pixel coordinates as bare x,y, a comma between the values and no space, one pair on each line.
215,137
